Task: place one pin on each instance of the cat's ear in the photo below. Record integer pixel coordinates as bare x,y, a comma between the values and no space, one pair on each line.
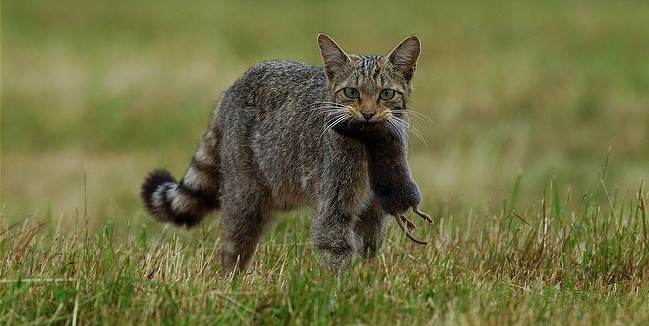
334,57
405,55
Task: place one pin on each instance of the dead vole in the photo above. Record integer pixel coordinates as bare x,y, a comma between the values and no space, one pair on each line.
389,175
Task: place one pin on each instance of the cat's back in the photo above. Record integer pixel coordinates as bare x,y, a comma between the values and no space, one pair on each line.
277,96
272,89
281,80
271,123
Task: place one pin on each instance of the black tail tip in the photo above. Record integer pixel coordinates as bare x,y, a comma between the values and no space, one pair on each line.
151,183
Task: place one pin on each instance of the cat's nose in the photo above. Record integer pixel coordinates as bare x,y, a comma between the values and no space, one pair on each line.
368,115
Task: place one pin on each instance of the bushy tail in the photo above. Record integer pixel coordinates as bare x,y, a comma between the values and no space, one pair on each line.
186,202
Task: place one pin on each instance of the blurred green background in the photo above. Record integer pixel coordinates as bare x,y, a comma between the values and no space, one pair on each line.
115,89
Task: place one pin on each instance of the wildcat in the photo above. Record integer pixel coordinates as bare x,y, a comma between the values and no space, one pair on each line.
270,146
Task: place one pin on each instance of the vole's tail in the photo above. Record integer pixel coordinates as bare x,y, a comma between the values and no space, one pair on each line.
187,201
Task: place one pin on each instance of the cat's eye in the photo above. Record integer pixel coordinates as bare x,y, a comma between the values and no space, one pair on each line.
351,92
386,94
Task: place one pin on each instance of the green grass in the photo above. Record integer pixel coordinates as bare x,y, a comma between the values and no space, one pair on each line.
566,260
530,102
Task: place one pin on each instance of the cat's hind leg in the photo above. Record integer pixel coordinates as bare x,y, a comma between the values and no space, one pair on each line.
245,214
245,198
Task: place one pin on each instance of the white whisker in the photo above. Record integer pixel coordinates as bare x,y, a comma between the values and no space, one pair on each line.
336,121
403,128
416,114
411,128
319,112
392,125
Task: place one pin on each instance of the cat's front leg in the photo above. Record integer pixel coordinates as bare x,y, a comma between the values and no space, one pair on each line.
343,192
332,234
371,227
336,213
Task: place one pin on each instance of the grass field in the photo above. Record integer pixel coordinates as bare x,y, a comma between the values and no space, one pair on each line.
534,165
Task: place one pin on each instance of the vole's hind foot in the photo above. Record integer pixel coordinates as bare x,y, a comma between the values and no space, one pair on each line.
422,214
400,220
411,226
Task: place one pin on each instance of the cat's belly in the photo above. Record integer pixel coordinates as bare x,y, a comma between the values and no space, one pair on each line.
288,202
288,193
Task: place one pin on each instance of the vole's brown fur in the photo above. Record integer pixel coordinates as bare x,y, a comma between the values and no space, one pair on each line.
388,172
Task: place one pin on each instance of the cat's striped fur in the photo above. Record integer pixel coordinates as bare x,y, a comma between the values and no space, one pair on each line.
187,201
268,147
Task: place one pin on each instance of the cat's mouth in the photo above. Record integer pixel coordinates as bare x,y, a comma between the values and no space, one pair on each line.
358,126
352,125
369,119
370,122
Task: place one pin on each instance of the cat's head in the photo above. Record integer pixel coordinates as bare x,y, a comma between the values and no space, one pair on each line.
369,88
